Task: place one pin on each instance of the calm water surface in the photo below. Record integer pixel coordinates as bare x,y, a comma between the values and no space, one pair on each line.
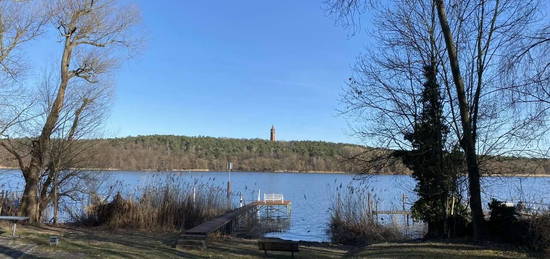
311,194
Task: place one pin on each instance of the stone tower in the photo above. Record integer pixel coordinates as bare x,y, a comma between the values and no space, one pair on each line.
273,139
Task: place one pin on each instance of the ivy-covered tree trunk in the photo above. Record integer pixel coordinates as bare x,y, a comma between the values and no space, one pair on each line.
427,159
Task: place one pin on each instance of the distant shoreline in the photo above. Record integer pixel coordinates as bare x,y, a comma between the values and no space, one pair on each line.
198,170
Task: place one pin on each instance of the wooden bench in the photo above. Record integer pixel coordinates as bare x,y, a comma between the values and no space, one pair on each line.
278,245
14,220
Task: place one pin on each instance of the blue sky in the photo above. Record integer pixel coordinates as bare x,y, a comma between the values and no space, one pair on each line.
233,69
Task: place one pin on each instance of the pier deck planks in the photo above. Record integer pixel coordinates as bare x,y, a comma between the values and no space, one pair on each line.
218,222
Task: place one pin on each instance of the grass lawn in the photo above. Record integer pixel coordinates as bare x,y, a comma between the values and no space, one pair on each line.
98,243
440,250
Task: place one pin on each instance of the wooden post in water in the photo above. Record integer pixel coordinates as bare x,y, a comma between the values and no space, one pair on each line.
194,195
259,198
229,167
406,216
229,194
370,208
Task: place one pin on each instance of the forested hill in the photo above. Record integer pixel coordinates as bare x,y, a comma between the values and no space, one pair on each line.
159,152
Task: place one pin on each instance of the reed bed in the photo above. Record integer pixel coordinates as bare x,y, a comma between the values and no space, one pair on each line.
9,203
353,221
166,206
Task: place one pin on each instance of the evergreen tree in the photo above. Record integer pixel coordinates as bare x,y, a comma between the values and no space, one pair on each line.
427,159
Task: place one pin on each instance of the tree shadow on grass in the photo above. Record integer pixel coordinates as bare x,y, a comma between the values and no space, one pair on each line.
249,248
431,250
219,247
115,243
14,253
147,243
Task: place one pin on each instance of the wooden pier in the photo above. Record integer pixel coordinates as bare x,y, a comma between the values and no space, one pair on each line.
219,222
226,223
392,212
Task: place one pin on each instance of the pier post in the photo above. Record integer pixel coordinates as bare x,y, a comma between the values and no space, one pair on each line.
406,216
229,194
194,195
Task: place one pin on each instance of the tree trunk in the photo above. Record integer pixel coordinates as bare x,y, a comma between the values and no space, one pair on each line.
29,201
468,141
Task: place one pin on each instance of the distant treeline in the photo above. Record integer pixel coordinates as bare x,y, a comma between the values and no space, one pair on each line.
161,152
181,153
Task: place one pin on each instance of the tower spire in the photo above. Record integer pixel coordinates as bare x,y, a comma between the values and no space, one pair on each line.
273,137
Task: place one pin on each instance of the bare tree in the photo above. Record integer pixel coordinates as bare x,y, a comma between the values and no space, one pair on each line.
93,34
20,22
490,27
470,41
84,110
83,113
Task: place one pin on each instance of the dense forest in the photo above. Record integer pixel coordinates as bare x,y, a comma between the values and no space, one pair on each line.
165,152
161,152
201,153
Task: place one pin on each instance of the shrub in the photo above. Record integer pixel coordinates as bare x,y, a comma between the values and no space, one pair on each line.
507,225
539,232
504,224
459,226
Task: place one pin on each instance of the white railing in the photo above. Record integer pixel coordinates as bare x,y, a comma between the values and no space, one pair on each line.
273,197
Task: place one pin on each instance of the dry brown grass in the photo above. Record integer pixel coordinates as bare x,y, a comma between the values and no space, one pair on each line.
8,204
353,221
170,206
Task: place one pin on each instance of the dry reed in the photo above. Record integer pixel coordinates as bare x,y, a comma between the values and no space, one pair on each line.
168,206
9,203
353,221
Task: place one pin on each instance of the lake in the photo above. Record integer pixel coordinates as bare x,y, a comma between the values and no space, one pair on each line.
312,193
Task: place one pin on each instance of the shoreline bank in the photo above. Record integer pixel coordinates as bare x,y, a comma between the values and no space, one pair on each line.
195,170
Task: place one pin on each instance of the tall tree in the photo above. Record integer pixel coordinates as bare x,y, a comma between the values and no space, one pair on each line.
468,140
92,33
475,37
427,159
